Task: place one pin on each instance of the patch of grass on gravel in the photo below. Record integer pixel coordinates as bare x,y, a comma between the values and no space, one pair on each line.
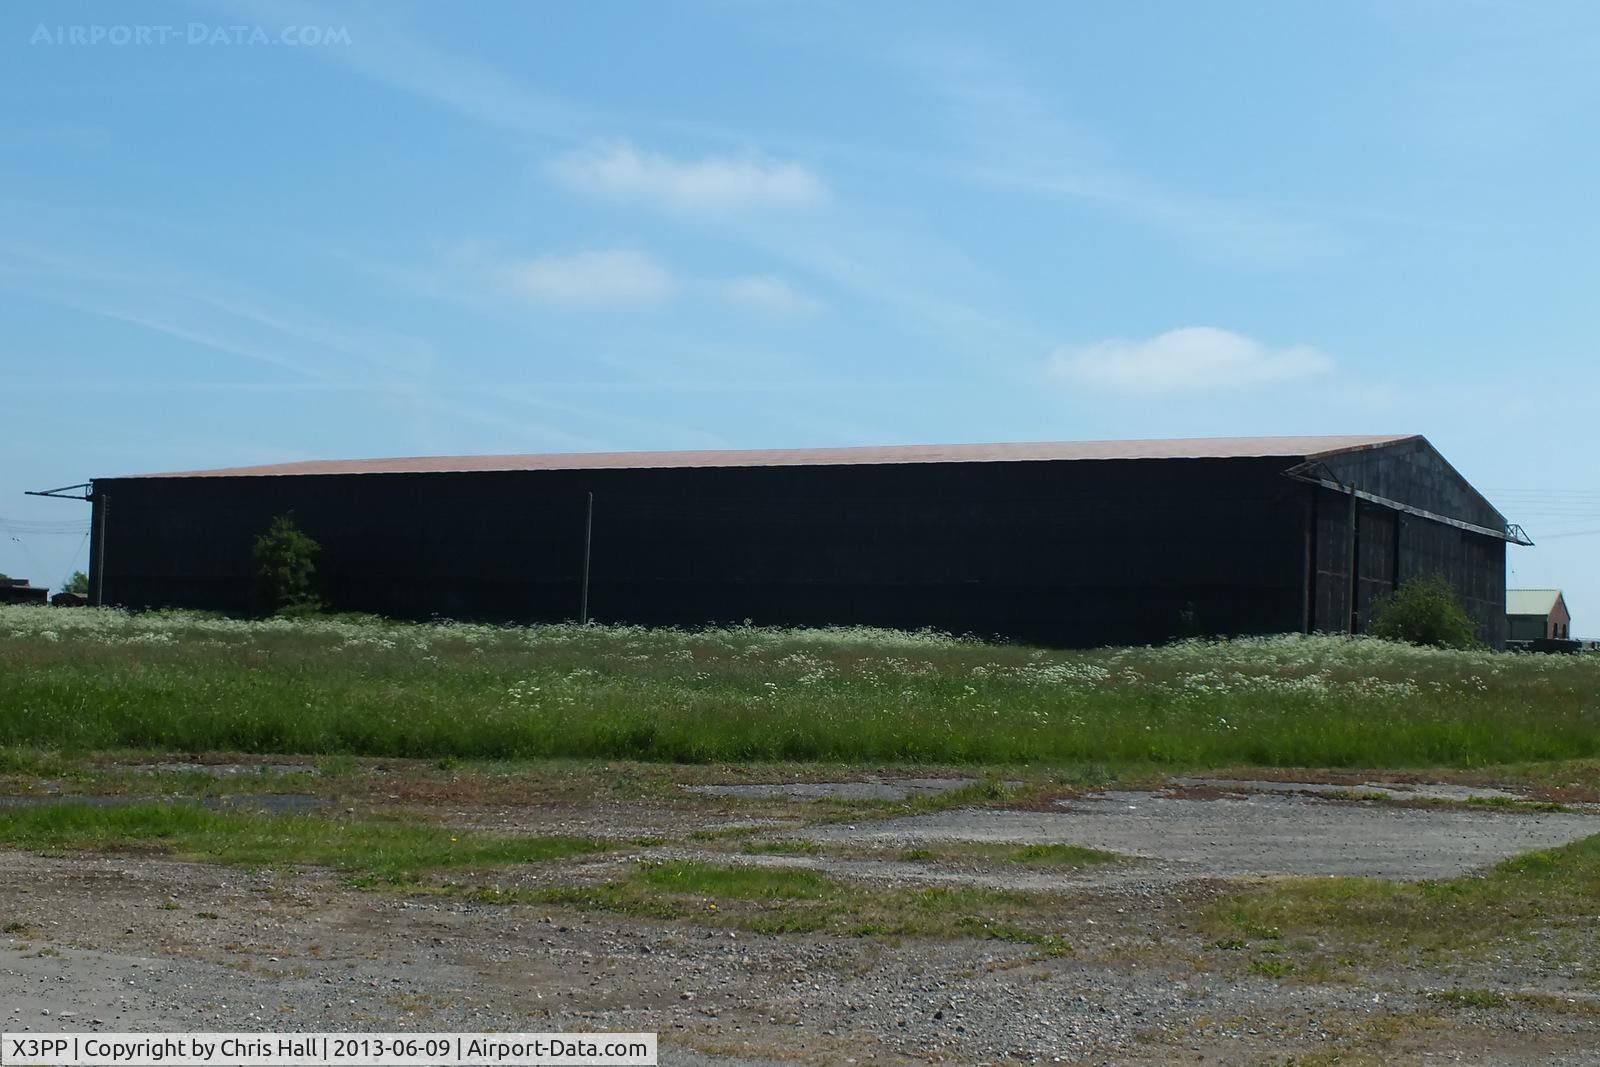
1574,779
1043,856
36,762
782,848
366,850
169,783
1550,890
986,792
1514,804
1470,998
734,882
783,900
1471,803
1063,856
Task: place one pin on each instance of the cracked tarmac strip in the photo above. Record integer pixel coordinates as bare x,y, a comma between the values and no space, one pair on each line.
1252,835
1390,790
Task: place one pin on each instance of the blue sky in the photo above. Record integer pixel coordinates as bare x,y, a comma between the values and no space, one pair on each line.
249,233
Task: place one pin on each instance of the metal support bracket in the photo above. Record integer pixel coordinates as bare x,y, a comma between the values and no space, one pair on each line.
1317,473
81,491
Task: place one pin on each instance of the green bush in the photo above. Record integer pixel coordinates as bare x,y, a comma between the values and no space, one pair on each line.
286,570
1424,611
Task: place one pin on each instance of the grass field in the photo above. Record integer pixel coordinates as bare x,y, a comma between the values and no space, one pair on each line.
97,680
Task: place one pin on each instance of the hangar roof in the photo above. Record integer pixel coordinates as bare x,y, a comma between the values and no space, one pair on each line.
1184,448
1531,601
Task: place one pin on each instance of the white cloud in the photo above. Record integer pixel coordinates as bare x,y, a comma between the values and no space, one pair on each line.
1192,358
769,295
622,278
618,277
711,184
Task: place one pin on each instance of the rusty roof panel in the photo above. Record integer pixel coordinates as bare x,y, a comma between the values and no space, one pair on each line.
1186,448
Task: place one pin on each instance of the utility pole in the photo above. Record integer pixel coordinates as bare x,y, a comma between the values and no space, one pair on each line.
588,540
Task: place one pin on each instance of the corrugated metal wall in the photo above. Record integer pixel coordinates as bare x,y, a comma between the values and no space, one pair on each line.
1069,553
1392,547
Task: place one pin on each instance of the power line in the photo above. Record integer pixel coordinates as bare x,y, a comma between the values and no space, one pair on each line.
44,526
72,567
28,556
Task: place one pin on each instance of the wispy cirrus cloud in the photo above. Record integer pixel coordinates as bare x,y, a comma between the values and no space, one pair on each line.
1015,138
407,61
708,184
634,279
209,315
768,295
905,268
592,278
1193,358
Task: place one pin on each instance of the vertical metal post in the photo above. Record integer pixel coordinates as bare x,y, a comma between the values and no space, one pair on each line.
1355,559
1308,591
588,540
1399,526
102,514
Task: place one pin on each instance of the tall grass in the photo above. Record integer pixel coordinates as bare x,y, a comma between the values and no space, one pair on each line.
85,680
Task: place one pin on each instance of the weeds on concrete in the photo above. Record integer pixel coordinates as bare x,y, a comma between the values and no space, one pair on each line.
1543,890
366,850
781,900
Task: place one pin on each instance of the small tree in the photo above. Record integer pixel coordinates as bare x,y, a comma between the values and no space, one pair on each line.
286,570
78,583
1424,611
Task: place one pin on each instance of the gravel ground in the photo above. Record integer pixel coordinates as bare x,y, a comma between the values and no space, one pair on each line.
141,943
